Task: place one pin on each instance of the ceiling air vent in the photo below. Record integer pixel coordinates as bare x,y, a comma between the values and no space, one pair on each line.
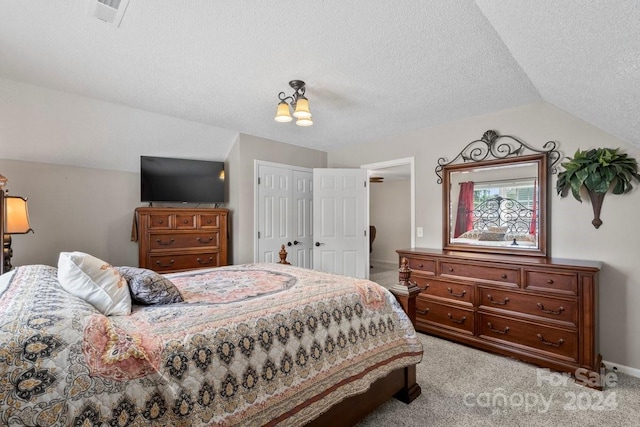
110,11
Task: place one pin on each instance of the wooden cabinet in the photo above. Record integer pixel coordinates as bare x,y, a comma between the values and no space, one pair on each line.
175,239
540,310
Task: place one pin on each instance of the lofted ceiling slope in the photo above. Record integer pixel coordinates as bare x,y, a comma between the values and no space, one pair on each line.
373,68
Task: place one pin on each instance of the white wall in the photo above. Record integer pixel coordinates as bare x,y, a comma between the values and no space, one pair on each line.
47,126
616,243
389,204
74,209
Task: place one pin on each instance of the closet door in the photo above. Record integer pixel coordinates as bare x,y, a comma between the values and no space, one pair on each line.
274,212
302,225
284,209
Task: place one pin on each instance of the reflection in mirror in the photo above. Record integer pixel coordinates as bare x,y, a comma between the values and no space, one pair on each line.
495,206
496,200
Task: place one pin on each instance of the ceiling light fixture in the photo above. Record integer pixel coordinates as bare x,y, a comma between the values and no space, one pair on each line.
297,102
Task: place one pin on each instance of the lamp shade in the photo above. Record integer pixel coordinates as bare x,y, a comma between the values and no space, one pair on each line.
282,115
302,109
304,121
17,215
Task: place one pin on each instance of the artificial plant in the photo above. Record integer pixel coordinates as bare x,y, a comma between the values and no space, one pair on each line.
597,170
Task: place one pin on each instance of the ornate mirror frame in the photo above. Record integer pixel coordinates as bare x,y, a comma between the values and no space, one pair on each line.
494,217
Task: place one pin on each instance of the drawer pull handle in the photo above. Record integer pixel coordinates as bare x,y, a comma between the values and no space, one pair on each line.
209,221
186,221
420,265
504,276
503,302
201,262
552,344
459,321
422,288
550,281
205,241
460,295
560,310
425,311
450,269
160,242
498,331
160,221
159,264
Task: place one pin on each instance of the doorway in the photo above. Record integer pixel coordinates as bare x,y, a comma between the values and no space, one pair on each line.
392,213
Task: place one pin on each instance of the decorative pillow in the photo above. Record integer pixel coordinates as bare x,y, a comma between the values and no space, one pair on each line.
95,281
491,236
148,287
471,234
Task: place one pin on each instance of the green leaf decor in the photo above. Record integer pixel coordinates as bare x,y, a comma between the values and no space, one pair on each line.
597,170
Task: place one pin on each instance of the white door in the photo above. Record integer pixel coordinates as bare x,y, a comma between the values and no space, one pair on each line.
341,221
284,214
301,248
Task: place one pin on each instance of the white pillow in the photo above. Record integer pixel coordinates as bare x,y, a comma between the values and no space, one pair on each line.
95,281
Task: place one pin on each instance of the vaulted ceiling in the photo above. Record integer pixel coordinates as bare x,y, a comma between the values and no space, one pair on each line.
373,68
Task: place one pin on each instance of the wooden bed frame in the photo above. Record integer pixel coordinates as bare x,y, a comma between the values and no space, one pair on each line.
400,383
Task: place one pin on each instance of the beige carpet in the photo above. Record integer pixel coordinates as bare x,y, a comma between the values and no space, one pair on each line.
384,274
462,386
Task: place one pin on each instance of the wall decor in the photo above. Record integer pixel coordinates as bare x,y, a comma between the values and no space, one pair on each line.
597,170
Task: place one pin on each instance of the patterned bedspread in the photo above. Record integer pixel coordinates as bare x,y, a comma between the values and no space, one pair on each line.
251,344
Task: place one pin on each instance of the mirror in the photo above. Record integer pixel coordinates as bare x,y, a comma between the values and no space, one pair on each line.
496,206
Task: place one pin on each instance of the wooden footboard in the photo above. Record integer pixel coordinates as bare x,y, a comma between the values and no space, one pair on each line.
400,384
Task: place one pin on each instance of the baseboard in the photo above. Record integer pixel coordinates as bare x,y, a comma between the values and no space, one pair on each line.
385,262
634,372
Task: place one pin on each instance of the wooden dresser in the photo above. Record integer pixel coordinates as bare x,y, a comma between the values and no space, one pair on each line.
176,239
540,310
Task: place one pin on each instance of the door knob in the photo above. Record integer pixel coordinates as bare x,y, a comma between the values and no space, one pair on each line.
318,243
288,243
295,242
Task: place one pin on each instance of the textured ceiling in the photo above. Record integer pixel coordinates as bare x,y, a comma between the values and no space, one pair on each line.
373,68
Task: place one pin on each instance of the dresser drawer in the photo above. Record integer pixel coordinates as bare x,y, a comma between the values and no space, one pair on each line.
160,221
428,311
209,221
558,282
559,342
184,261
422,265
499,275
181,240
458,292
556,309
185,221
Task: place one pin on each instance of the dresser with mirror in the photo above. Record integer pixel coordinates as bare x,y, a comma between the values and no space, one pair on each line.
493,284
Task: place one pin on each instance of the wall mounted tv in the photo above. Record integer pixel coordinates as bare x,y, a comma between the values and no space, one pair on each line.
164,179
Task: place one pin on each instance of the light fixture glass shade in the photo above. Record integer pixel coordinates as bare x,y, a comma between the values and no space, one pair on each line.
17,215
283,115
304,121
302,109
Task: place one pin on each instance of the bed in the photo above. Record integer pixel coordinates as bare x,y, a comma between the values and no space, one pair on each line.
248,345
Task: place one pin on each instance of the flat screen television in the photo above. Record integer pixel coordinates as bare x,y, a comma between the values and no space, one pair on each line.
164,179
